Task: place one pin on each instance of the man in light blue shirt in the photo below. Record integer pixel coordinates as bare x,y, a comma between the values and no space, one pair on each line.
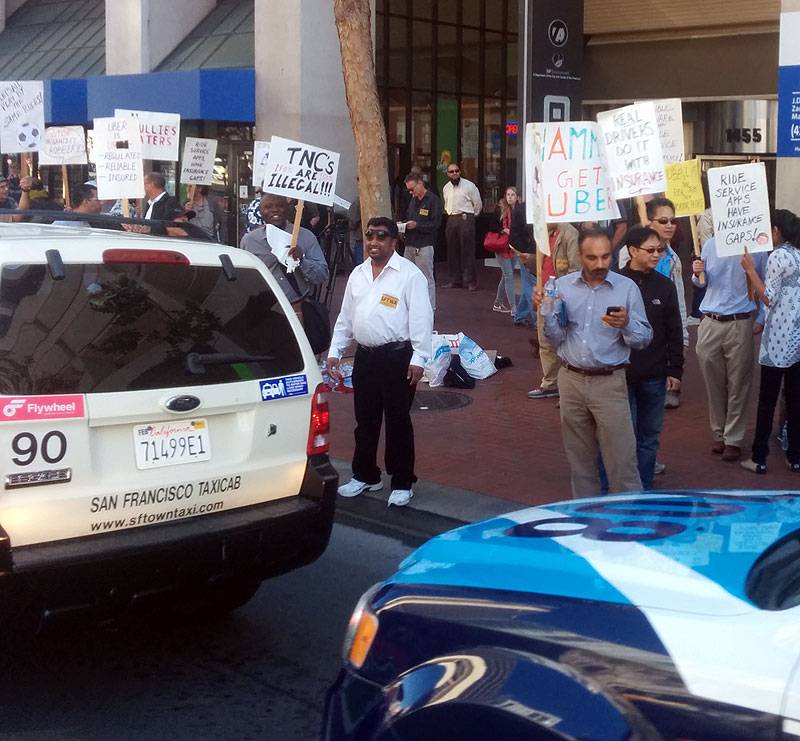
725,346
602,320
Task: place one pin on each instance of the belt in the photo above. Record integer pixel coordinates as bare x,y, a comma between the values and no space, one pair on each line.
463,215
388,347
728,317
594,371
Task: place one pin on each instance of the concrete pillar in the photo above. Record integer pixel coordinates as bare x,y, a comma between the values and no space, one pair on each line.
299,83
787,185
141,33
7,9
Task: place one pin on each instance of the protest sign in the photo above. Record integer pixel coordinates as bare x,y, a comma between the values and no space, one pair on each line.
118,157
198,161
573,182
632,149
260,157
301,171
160,132
740,208
669,115
21,116
63,145
684,188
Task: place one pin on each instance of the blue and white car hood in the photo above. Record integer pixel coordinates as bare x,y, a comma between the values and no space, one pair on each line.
684,551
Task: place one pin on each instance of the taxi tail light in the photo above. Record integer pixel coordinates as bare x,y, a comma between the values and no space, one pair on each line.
165,257
319,429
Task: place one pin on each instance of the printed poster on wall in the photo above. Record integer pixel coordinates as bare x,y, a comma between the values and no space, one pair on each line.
118,158
160,132
197,163
632,149
740,208
568,170
301,171
21,116
684,187
260,157
63,145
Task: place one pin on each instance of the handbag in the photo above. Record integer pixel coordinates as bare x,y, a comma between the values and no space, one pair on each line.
495,242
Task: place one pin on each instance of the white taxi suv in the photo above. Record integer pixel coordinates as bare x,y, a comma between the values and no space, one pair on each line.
163,426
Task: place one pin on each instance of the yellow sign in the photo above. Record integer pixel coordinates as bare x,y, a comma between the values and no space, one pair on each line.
390,301
684,188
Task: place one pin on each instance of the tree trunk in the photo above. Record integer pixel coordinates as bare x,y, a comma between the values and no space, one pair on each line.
355,38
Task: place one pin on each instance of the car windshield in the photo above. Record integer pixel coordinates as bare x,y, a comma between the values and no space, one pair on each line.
126,327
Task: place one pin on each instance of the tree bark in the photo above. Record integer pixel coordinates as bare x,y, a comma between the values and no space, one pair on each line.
353,24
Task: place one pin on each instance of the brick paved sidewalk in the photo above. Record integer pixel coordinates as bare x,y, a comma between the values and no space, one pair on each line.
506,445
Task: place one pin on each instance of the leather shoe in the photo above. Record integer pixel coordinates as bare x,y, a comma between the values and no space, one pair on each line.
451,285
718,448
731,453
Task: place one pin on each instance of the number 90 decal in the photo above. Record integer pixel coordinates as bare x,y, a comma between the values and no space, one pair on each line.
52,448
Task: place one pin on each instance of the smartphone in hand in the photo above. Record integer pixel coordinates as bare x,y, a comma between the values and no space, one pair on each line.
613,310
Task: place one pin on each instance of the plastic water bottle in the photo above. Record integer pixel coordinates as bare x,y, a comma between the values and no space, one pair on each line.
550,297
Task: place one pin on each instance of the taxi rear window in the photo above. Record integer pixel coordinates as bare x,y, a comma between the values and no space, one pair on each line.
127,327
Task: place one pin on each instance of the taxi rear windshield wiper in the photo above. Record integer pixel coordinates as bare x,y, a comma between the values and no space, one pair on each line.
196,362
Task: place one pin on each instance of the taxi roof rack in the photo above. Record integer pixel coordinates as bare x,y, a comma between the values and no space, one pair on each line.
55,264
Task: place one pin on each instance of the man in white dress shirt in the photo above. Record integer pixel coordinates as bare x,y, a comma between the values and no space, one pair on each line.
387,311
462,203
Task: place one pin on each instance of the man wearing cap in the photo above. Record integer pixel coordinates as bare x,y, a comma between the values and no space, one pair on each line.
313,268
387,311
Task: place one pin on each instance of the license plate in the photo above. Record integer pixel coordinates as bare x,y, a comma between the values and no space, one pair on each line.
171,443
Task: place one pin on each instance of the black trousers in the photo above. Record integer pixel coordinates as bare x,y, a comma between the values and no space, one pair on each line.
768,392
381,389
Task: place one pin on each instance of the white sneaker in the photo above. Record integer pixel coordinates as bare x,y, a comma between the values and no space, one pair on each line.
354,487
400,497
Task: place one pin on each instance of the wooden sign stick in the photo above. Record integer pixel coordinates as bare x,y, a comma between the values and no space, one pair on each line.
65,186
701,279
298,217
751,292
190,193
641,208
126,208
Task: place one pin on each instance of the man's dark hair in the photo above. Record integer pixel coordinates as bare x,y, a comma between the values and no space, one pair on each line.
638,235
592,232
157,179
274,197
390,224
657,203
414,177
82,193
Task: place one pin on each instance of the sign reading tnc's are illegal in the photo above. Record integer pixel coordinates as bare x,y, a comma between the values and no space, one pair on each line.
301,171
740,207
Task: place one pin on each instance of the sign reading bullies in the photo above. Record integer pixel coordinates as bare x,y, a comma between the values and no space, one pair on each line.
21,116
301,171
573,184
740,207
684,188
198,161
633,150
161,133
63,145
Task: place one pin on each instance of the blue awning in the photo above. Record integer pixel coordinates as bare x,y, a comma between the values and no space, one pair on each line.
201,94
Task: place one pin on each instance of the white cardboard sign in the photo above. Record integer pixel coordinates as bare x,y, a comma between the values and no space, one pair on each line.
197,164
632,144
669,114
567,173
21,116
63,145
118,158
740,208
161,133
301,171
260,157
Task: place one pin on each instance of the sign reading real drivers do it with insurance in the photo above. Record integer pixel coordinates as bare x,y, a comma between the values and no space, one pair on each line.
301,171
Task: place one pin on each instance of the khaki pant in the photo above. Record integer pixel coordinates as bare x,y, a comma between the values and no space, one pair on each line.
422,257
596,416
549,359
725,352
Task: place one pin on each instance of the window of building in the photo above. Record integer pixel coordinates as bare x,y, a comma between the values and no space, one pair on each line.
454,97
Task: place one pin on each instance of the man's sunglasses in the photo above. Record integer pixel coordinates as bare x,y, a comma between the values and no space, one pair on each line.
664,221
380,234
453,172
651,250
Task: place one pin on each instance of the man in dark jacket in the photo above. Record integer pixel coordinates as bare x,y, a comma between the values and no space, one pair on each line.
423,217
658,367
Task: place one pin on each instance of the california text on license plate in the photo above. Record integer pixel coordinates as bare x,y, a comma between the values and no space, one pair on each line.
171,443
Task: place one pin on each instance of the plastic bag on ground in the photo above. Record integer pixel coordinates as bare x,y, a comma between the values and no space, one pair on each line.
439,362
474,358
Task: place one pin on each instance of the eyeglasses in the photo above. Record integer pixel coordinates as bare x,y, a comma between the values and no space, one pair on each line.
651,250
453,172
380,235
664,221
